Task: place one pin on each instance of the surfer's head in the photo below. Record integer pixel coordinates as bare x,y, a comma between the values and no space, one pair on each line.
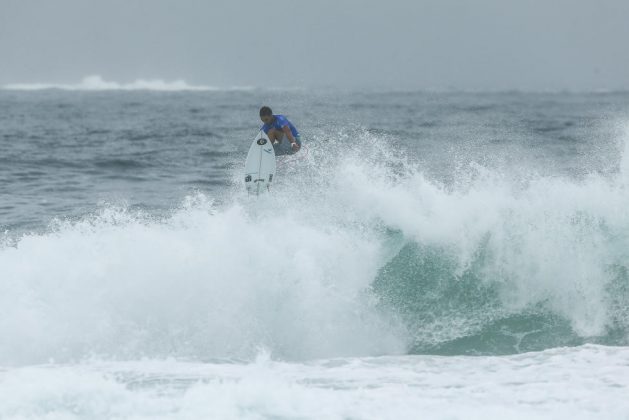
266,115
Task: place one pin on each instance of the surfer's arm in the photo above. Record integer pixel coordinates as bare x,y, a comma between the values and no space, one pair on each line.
289,134
290,137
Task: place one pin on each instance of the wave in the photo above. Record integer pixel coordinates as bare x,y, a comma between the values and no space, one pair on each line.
97,83
356,253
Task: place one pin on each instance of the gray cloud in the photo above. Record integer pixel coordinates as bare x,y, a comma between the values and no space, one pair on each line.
484,44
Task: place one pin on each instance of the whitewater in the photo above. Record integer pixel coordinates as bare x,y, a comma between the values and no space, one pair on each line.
429,255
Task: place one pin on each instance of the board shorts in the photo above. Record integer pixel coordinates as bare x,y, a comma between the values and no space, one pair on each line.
284,147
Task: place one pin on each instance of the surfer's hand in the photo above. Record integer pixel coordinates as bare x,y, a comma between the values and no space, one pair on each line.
295,147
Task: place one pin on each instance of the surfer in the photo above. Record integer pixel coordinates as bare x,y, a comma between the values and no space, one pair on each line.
281,132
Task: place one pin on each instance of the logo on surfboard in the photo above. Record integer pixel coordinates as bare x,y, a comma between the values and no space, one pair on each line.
261,142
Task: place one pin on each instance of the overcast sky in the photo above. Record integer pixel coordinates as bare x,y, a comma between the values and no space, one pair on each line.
464,44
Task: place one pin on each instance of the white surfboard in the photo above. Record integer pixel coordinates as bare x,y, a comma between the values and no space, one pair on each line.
260,165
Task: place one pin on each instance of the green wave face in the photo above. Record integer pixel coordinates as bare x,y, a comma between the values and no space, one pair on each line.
449,312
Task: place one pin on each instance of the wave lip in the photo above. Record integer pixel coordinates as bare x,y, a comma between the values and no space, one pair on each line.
97,83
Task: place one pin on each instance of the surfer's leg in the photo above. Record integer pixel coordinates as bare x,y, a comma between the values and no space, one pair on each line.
275,135
281,149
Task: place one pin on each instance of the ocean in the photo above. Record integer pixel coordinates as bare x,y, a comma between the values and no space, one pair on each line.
428,254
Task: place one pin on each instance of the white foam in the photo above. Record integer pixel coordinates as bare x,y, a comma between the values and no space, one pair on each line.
571,383
97,83
202,283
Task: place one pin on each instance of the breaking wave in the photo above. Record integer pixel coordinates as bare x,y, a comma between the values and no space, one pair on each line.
355,253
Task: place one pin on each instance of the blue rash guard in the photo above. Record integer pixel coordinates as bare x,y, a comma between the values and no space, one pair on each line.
279,122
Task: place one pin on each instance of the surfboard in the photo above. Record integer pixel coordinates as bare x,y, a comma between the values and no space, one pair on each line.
260,165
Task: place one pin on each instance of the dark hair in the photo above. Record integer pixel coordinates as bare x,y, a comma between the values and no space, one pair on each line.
265,111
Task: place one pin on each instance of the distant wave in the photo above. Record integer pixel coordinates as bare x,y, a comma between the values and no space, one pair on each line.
97,83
